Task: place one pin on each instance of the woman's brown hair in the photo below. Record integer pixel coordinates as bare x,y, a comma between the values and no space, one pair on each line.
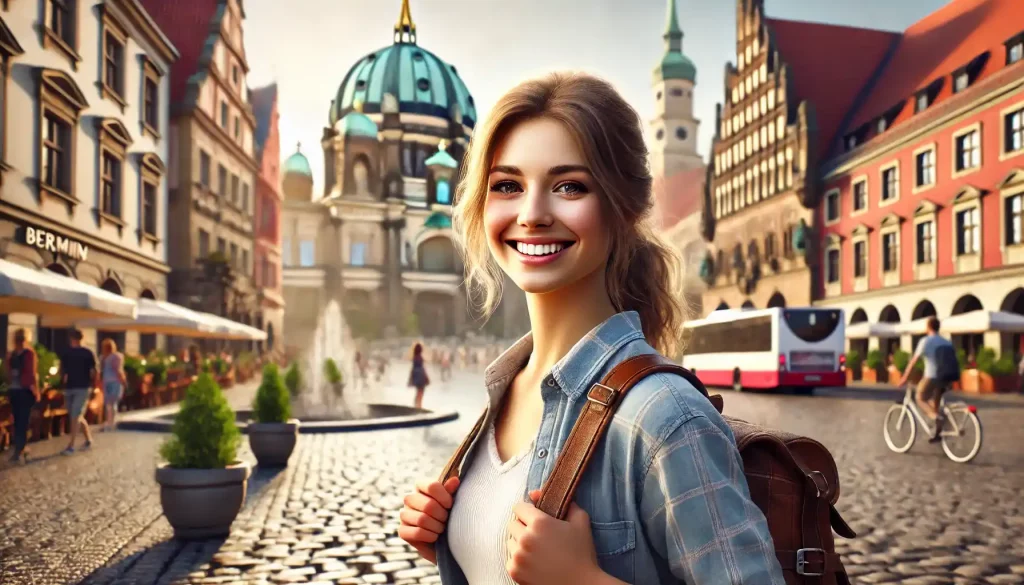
644,274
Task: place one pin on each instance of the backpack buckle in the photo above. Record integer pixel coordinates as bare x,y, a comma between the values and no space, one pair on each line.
601,394
802,562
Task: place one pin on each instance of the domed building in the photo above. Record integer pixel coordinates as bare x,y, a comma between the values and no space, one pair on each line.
379,236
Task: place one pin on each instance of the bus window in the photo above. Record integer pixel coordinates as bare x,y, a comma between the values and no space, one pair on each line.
812,325
742,336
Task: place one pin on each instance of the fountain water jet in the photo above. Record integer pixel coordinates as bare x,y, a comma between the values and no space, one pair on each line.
332,339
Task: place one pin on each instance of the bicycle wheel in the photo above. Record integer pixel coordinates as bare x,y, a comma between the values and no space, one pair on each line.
963,444
899,429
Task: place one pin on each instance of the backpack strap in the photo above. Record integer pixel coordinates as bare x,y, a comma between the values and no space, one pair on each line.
602,401
452,468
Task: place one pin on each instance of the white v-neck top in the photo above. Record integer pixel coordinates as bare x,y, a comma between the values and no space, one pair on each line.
478,522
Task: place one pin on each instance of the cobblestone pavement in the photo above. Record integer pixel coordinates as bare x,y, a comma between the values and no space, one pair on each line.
331,516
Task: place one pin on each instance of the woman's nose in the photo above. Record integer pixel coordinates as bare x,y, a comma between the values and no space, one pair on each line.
534,209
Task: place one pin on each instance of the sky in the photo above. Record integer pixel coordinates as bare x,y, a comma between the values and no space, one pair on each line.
307,46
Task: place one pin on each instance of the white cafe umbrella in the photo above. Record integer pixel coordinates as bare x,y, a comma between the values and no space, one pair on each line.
915,327
863,330
982,321
228,329
46,293
160,317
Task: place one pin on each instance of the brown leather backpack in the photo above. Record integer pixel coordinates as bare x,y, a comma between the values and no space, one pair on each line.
792,479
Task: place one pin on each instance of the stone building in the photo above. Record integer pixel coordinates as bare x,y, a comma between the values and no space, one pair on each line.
213,169
84,122
778,118
267,245
923,209
379,238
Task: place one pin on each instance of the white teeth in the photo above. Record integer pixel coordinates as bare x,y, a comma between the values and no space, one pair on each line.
538,249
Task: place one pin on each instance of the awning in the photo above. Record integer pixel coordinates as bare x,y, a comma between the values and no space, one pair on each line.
228,329
982,321
863,330
915,327
41,292
160,317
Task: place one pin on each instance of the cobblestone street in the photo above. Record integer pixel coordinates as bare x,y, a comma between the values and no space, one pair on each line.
331,516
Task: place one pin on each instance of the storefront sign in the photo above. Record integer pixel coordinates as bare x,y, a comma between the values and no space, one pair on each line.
51,242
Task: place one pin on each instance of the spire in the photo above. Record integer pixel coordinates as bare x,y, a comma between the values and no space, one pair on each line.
673,34
298,148
405,29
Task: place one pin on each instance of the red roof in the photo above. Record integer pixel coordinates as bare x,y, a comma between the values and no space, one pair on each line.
939,44
829,65
187,24
678,196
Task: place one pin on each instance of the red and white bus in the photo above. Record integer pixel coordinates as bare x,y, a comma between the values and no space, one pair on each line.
797,348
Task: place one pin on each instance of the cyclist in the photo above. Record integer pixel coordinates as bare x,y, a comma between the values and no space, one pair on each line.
940,368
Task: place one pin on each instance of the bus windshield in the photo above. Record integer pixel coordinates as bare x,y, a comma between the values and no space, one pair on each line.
812,325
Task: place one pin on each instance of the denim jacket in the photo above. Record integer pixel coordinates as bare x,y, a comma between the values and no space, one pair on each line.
665,490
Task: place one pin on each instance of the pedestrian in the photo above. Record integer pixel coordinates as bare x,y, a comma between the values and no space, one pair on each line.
418,374
23,391
555,193
446,365
113,381
78,375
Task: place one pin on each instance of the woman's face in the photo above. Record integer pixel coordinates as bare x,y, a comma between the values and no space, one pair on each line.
543,215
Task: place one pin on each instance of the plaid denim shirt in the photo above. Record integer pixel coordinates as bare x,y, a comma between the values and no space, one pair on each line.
665,490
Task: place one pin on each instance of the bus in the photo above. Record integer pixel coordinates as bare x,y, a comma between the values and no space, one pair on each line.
777,348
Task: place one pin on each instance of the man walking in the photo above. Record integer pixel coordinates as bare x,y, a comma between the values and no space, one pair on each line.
941,368
78,374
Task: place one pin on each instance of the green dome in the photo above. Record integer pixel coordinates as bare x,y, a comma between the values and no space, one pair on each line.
676,66
420,82
442,158
438,220
358,124
298,164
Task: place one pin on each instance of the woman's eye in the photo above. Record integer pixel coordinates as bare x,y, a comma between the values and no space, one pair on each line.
505,187
571,188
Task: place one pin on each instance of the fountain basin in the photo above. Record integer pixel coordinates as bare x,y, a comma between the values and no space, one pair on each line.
374,417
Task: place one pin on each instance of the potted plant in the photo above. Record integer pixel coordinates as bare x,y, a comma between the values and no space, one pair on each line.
202,482
273,435
293,379
872,365
900,360
854,365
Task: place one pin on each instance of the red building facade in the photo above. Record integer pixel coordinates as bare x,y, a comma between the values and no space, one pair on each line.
267,245
921,213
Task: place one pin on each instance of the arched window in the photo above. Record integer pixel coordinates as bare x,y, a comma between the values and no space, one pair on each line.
147,341
443,192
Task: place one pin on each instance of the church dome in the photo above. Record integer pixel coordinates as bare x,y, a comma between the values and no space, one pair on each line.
676,66
417,79
356,123
298,164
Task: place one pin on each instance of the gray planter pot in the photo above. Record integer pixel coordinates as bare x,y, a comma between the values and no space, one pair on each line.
273,443
202,503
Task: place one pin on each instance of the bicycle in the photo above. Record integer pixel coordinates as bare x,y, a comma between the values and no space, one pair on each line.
902,418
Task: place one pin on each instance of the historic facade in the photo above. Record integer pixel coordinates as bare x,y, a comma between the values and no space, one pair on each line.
379,238
267,246
922,209
84,122
777,119
213,170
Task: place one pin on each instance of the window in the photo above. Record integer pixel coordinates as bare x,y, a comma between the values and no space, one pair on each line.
245,261
245,197
882,125
1013,131
224,115
60,25
307,253
222,180
234,74
234,189
925,242
832,206
1015,50
149,209
443,192
925,164
961,81
57,153
1014,215
113,64
890,252
832,266
357,256
286,251
890,184
860,259
204,243
110,181
860,195
968,150
238,127
921,102
150,98
204,169
234,255
968,232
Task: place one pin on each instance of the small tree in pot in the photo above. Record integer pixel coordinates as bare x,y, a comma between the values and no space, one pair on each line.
273,434
202,483
293,379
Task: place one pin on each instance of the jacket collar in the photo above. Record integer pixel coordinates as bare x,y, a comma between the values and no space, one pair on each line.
577,370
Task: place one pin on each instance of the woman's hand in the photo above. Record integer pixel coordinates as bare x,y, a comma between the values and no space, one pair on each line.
425,514
544,550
